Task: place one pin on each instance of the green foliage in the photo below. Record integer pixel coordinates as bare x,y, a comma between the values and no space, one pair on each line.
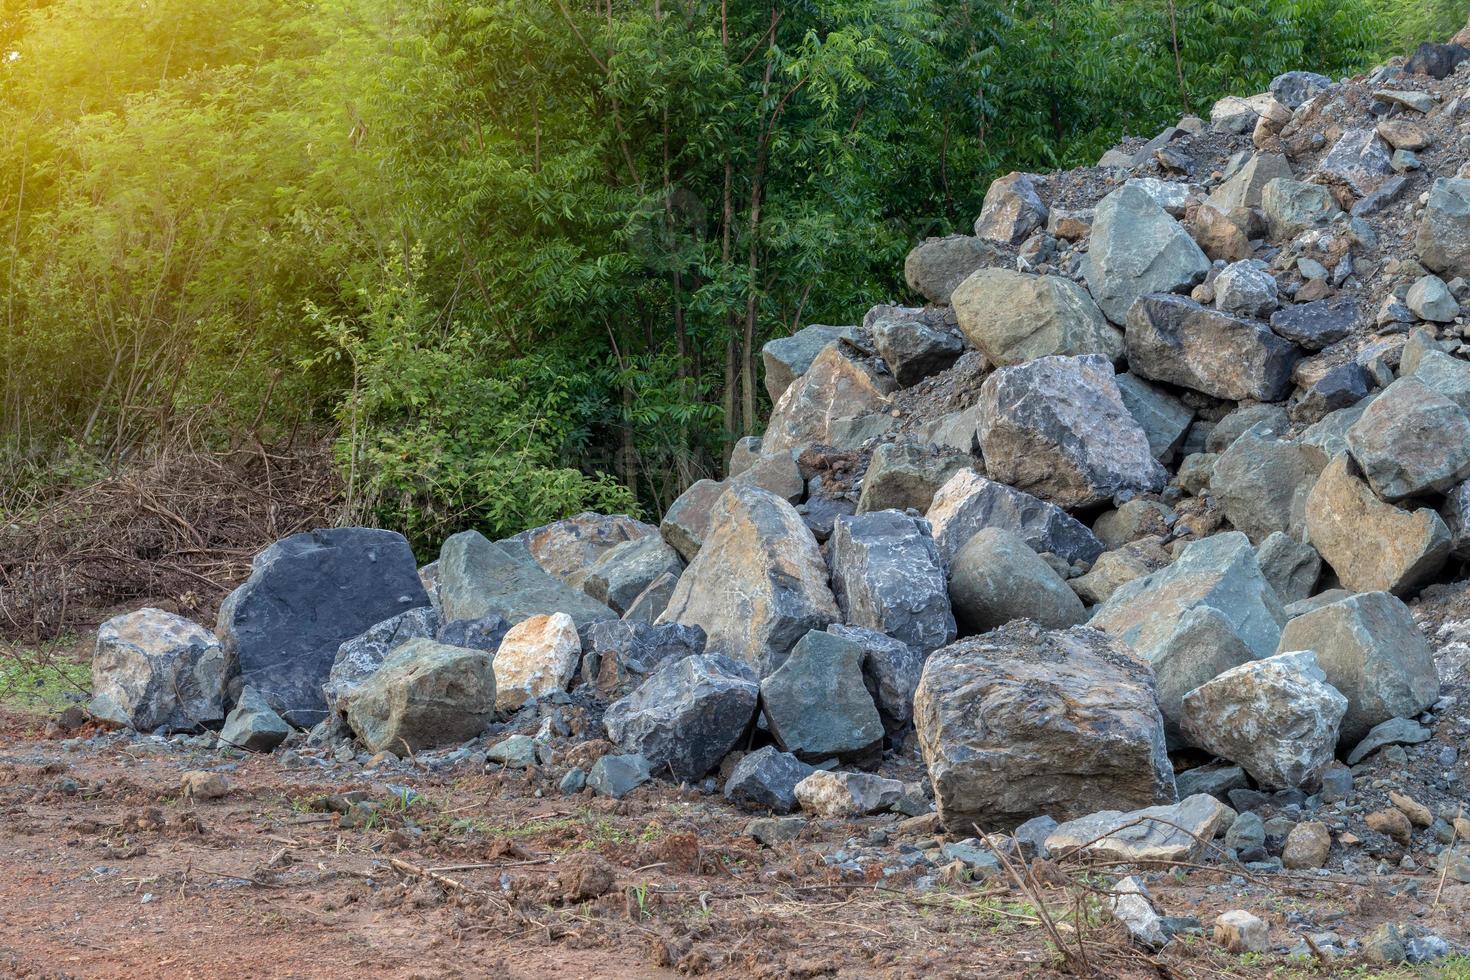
523,253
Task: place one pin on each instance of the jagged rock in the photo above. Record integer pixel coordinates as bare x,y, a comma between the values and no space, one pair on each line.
1292,88
1429,299
1014,317
1278,718
1342,386
1403,134
996,578
358,658
787,358
1359,159
1133,519
1240,932
252,725
1328,437
308,594
652,601
1246,289
618,775
1217,235
1395,731
1411,440
1268,418
766,780
1316,325
1233,114
1292,567
1173,196
539,656
1022,722
1137,249
619,656
816,703
1373,653
847,794
1443,241
887,575
1069,224
904,475
1012,210
758,585
473,634
687,716
1164,419
838,402
1131,904
1242,191
424,695
1450,376
937,265
1293,206
1057,427
1215,779
1176,340
686,522
1262,482
1209,611
515,752
567,548
152,669
891,671
1115,569
1372,545
952,431
968,502
624,572
479,578
913,348
1456,515
1169,833
743,454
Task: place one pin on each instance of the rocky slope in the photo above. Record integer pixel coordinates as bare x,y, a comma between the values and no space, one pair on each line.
1140,543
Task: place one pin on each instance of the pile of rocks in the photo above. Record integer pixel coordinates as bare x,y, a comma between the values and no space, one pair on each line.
1149,478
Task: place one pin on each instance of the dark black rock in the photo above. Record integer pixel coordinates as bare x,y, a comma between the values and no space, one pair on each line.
1316,325
686,717
621,654
1436,60
484,633
307,595
1340,387
766,780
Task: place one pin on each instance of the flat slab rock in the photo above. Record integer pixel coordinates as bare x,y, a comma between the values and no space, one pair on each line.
1173,832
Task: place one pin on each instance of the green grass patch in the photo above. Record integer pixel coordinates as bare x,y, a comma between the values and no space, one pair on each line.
42,679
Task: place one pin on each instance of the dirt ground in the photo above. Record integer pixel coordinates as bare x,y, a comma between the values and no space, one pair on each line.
108,870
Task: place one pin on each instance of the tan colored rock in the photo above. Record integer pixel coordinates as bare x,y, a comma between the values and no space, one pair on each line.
839,402
1307,846
1240,932
1417,812
846,794
1015,317
1403,134
205,785
1391,822
537,657
1217,235
1372,546
568,548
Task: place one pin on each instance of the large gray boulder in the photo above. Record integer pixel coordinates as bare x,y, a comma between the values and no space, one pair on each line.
1450,376
1292,88
936,266
1372,651
1057,427
758,585
687,716
969,502
1277,718
568,548
1209,611
891,670
766,780
1243,189
1136,249
360,657
1165,420
686,522
1412,440
1291,566
152,669
1358,160
887,575
787,358
1246,289
1370,544
252,726
622,573
1262,482
1013,209
479,578
996,578
307,595
904,474
1176,340
913,345
1294,206
1014,317
619,656
840,401
1025,722
817,705
426,694
1443,241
